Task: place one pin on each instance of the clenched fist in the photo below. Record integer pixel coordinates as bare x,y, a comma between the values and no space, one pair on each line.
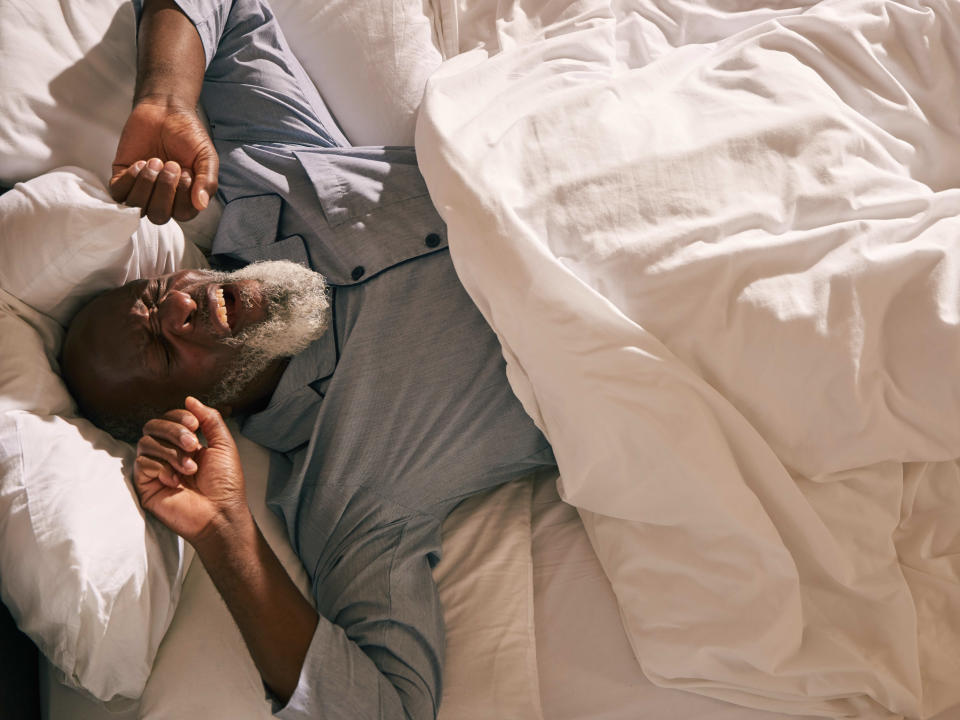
193,489
165,162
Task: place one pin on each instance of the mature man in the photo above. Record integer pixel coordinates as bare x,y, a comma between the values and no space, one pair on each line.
382,392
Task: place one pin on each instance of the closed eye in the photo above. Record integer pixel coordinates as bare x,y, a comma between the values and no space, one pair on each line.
152,294
167,350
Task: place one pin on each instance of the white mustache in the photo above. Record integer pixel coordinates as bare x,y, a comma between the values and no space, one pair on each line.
298,309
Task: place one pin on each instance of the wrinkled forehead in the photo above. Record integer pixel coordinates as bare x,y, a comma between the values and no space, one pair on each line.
105,318
117,300
101,352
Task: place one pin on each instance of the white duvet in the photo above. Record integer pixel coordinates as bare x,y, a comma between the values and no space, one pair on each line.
721,249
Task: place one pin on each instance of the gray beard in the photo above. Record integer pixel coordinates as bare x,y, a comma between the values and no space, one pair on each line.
298,310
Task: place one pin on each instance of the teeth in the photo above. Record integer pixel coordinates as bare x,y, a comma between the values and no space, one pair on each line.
221,306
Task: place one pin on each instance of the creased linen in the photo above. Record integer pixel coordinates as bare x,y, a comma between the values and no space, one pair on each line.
720,251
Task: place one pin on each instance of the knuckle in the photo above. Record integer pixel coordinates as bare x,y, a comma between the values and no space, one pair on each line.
183,214
156,217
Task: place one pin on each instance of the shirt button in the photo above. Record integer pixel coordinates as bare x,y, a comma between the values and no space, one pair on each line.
432,240
357,272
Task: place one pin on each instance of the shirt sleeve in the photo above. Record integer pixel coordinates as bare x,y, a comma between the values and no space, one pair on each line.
377,650
208,16
245,48
357,210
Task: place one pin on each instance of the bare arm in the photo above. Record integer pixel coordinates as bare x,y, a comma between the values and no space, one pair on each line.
275,620
165,161
170,61
206,504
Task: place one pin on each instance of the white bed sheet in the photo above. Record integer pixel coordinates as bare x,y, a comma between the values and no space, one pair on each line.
587,669
586,666
727,281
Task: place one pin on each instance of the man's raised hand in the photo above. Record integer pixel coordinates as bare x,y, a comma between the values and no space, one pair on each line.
194,490
166,163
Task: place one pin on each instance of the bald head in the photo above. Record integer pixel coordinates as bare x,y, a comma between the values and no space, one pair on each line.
137,351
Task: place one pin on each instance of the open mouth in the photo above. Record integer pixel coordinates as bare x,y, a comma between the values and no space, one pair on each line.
225,306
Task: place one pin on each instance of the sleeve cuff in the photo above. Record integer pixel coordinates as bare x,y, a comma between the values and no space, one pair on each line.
305,703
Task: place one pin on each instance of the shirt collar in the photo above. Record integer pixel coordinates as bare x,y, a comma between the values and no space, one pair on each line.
287,421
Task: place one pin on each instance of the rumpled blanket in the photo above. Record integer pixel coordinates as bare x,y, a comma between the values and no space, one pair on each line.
720,246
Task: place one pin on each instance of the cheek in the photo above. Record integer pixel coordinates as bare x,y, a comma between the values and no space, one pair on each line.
201,369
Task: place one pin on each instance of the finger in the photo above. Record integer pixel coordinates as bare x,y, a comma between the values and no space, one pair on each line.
184,417
160,207
206,168
211,423
173,433
123,178
147,470
157,449
143,186
183,208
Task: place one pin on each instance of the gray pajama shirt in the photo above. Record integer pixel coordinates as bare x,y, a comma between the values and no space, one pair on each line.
399,412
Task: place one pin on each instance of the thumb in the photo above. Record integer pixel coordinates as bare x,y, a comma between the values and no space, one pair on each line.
211,423
206,168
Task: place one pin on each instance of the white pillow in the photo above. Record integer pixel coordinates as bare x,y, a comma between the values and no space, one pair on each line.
65,240
370,60
85,575
66,81
68,70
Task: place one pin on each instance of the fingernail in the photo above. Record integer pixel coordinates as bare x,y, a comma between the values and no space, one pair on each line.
138,166
154,166
204,199
189,465
189,441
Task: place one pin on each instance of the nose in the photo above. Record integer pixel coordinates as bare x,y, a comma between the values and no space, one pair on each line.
176,312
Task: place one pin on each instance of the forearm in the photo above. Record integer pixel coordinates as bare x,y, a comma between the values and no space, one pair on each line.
276,621
170,61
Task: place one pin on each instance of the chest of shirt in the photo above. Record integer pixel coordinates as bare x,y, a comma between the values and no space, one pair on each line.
348,213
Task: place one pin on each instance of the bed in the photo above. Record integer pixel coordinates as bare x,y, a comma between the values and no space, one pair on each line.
717,242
